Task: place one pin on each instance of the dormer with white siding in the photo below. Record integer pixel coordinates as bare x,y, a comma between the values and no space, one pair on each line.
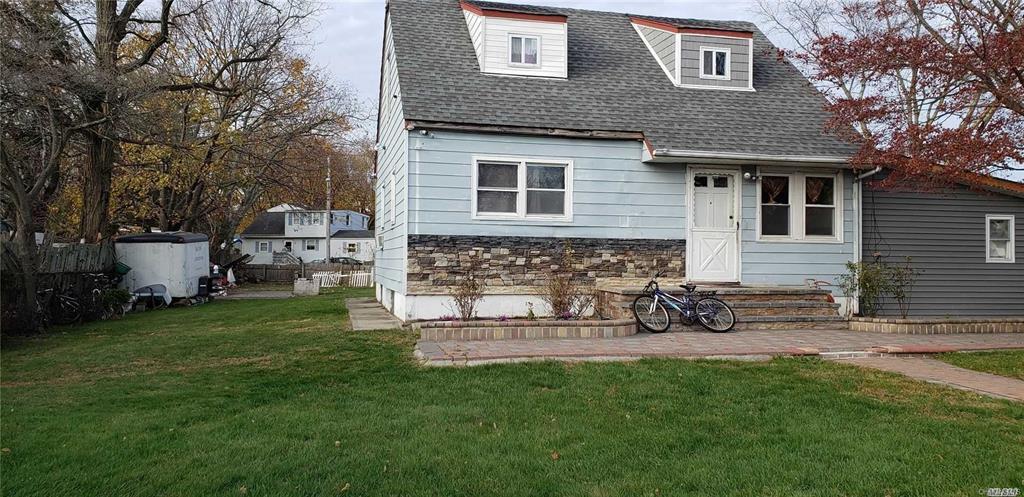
519,40
700,57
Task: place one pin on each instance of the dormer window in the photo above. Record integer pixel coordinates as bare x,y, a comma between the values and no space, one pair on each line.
523,50
714,63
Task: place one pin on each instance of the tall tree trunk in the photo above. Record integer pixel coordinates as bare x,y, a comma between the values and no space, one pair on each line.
97,175
26,252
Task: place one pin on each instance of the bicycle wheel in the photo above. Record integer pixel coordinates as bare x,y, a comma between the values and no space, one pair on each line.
68,311
715,315
650,314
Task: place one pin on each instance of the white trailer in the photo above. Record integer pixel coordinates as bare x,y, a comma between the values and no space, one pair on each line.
176,260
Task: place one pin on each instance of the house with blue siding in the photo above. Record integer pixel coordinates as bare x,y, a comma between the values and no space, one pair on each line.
508,132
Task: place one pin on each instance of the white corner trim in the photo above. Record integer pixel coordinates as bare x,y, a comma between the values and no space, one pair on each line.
673,78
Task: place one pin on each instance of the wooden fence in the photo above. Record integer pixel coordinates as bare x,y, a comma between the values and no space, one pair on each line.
288,272
77,258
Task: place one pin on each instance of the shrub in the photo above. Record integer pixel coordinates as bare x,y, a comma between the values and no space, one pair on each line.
565,294
901,284
875,280
468,290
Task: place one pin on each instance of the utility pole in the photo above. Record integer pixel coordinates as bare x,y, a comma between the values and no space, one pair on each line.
330,213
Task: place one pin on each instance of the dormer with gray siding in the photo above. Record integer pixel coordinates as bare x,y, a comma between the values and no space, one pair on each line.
700,57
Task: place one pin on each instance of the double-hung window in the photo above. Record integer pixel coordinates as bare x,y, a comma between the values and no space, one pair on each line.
527,189
523,50
714,63
999,238
312,244
799,207
262,246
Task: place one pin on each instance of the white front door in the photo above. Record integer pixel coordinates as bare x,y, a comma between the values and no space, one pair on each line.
714,227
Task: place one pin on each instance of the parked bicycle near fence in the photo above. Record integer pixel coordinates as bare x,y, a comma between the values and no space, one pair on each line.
700,307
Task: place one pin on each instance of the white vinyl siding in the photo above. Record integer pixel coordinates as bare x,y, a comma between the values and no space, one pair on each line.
494,49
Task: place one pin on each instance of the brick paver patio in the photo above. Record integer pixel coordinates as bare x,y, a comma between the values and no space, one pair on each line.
935,371
753,343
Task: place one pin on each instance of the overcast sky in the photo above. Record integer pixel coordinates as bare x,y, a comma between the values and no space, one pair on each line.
347,40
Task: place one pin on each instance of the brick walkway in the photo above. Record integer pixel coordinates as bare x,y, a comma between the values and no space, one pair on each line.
934,371
754,344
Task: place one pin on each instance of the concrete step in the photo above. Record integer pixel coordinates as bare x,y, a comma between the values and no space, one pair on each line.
783,322
744,309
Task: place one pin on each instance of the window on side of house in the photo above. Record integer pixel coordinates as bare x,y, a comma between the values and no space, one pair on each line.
775,207
262,246
524,50
714,63
351,248
999,238
819,206
312,244
522,189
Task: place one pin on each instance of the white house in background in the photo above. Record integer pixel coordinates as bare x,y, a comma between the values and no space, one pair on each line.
357,244
286,235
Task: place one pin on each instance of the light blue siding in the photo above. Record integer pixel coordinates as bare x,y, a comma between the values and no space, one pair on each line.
390,261
615,195
790,263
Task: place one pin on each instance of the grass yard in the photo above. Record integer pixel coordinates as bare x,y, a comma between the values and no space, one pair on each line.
1005,363
277,398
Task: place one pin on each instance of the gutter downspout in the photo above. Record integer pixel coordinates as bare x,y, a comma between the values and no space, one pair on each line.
858,206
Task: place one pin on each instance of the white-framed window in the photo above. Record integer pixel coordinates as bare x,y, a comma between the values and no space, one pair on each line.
392,198
999,238
522,188
263,246
523,50
305,218
351,248
799,207
714,63
311,244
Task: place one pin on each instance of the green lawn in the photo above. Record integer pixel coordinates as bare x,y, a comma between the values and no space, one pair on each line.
1006,363
276,398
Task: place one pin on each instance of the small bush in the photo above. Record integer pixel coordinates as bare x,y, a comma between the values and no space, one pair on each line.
875,280
565,294
468,290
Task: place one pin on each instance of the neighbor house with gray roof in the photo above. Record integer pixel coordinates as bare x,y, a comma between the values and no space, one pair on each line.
508,132
288,234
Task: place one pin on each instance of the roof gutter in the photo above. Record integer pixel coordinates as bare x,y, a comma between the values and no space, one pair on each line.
876,170
734,156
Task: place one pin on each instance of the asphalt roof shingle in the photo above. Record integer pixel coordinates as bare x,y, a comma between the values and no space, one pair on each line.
267,223
614,84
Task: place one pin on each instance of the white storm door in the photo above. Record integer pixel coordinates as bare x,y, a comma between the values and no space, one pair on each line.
713,228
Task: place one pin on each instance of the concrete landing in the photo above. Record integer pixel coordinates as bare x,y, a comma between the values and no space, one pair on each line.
365,313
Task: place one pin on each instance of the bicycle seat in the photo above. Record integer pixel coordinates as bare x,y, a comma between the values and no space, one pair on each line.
689,287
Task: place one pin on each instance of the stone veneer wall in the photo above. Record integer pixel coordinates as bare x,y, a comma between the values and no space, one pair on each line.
437,261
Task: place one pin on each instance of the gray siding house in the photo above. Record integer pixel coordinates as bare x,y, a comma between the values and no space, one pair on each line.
647,143
964,242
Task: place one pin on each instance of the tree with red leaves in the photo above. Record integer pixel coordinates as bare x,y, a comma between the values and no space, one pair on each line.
934,88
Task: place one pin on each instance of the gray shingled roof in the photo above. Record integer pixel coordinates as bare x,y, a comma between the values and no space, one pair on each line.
614,84
353,234
267,223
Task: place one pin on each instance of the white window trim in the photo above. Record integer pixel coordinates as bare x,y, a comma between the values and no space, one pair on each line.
1011,247
523,64
260,249
520,213
316,244
728,63
797,204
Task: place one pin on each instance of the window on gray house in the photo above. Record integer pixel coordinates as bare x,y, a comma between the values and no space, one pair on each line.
775,205
497,188
545,189
999,238
714,63
819,206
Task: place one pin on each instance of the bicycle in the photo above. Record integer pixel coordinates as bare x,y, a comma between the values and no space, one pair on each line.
700,307
58,308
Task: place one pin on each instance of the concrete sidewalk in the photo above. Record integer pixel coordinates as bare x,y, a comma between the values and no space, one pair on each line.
935,371
741,344
365,313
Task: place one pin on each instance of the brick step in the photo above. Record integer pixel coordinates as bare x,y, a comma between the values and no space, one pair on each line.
784,322
744,310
